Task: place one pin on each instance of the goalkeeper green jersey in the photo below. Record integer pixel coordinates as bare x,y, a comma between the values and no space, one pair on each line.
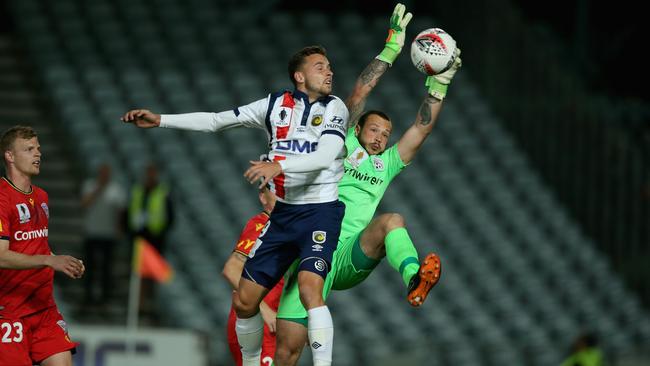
364,183
361,188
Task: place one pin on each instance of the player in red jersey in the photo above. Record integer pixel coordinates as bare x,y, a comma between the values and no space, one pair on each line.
31,327
232,272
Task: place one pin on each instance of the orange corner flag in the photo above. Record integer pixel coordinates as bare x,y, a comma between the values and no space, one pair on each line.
149,263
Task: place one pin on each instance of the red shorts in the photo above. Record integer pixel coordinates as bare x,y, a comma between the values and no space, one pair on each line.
33,338
268,343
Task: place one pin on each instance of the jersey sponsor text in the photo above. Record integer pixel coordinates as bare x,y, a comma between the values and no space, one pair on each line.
29,235
363,177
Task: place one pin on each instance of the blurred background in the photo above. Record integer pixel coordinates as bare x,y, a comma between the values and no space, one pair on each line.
534,187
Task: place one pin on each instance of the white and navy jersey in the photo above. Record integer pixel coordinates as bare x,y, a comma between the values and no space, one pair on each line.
294,127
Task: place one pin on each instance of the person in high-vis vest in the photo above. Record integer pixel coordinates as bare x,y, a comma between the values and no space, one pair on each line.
150,213
585,352
150,216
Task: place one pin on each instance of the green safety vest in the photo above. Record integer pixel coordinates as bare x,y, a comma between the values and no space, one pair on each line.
586,357
156,210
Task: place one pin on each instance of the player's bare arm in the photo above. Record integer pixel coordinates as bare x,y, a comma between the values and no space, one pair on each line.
142,118
9,259
367,80
13,260
269,315
372,73
232,269
412,140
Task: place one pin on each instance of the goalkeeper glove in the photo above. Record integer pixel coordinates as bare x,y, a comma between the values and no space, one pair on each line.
396,34
438,84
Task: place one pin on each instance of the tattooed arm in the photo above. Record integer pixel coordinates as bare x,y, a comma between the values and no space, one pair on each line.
410,142
437,85
356,102
373,72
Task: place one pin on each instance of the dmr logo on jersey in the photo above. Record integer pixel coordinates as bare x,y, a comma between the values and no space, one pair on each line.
29,235
23,213
296,146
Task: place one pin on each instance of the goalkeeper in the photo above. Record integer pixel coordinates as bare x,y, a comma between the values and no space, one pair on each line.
369,168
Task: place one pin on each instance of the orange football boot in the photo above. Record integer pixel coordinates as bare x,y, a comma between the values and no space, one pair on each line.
423,281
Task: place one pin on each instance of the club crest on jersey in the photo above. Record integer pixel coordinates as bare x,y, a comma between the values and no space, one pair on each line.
378,163
45,209
23,213
317,120
358,156
284,118
318,236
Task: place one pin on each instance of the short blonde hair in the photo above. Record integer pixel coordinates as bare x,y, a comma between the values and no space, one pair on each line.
13,133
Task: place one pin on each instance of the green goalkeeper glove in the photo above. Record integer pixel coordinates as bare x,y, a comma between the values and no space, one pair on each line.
396,34
438,84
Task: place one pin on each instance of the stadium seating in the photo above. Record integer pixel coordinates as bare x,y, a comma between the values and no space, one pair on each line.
519,278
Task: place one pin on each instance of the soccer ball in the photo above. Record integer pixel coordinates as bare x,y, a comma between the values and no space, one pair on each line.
433,51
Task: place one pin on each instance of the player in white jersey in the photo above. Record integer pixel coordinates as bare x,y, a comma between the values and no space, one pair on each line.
306,130
372,164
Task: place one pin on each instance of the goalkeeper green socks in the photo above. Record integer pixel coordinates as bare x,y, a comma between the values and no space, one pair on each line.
401,253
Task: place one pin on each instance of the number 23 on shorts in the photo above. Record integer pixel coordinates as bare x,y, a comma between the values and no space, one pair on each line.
11,332
14,348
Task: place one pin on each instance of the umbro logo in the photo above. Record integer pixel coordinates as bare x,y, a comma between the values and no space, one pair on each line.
316,345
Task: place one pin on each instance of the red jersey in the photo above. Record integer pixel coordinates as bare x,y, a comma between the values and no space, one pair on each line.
246,241
24,220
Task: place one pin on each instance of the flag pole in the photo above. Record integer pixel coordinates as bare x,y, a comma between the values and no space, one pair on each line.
134,299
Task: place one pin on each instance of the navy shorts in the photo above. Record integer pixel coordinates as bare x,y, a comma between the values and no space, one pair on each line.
308,232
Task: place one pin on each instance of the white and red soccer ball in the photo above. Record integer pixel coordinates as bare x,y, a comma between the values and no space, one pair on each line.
433,51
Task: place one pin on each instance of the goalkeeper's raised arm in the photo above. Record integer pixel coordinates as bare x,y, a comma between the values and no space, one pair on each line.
437,85
369,77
